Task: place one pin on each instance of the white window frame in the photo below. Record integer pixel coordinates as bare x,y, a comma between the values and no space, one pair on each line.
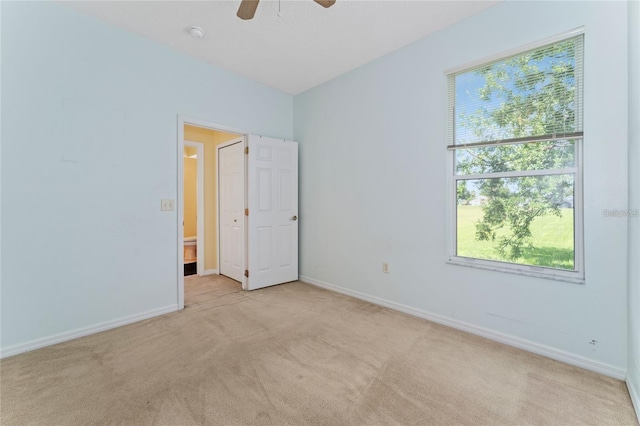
573,276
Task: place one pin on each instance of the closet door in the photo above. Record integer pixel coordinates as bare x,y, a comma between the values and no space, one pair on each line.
231,186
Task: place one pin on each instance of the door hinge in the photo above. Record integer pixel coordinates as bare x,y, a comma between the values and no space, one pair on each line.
246,150
246,273
246,212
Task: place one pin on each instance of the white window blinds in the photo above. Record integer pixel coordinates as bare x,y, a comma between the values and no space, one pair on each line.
532,96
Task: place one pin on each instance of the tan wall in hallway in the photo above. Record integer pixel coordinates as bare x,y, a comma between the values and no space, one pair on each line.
210,139
190,198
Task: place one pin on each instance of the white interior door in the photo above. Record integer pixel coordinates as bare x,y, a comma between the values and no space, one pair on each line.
231,197
272,199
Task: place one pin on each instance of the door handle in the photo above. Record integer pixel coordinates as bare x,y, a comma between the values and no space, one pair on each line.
294,218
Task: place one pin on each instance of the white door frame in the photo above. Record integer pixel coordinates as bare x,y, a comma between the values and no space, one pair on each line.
240,139
199,146
182,120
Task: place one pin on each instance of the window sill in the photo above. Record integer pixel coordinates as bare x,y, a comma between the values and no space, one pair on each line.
529,271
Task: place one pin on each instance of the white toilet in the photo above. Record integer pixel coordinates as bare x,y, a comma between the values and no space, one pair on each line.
190,249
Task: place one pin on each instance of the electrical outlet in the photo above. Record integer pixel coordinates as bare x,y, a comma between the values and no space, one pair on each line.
385,267
167,205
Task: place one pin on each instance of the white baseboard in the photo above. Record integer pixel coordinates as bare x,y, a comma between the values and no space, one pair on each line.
211,272
527,345
85,331
633,375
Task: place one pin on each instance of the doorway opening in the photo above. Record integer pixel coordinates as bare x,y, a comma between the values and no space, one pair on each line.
198,206
247,232
193,207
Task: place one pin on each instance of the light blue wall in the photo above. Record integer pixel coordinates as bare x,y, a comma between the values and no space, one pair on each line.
633,375
89,134
373,186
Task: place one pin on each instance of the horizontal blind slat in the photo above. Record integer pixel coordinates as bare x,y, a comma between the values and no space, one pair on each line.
528,139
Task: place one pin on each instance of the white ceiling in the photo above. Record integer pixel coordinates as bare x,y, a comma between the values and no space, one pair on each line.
306,46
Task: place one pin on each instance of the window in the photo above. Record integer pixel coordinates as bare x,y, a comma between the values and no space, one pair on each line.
515,139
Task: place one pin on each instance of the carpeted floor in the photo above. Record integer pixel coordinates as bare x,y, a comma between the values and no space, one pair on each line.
297,355
202,289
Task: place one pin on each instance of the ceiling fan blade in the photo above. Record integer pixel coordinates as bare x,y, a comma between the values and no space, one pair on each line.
325,3
247,9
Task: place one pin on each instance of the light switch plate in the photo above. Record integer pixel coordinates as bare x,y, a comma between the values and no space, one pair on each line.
167,205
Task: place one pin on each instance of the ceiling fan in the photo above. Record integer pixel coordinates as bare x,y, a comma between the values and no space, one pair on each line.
248,8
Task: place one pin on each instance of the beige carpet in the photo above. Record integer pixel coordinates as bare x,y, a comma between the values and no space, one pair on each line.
201,289
296,355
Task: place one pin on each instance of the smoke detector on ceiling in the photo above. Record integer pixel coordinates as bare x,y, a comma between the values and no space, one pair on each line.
196,32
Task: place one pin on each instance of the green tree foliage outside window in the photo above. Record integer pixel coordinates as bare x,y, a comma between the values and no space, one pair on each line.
526,105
